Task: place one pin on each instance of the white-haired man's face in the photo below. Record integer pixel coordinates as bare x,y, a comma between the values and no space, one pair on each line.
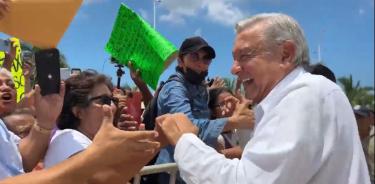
7,95
260,65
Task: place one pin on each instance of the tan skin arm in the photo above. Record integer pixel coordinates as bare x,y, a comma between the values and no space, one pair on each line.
110,148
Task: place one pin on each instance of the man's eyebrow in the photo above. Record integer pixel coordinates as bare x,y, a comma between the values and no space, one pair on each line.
246,50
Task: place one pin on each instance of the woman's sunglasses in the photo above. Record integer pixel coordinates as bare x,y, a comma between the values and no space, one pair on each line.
104,100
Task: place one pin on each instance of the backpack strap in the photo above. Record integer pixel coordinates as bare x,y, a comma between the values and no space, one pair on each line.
151,111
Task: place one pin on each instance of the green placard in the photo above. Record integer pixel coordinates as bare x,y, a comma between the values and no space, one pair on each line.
133,39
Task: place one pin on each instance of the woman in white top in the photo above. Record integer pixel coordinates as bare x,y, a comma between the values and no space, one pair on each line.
81,118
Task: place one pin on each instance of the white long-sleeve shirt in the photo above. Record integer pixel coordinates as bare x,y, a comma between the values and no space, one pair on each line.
306,132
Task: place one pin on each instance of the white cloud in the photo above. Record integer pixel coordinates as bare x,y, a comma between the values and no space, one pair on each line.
223,12
198,32
173,18
89,2
186,8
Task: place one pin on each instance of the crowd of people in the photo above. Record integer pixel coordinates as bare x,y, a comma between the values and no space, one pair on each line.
286,121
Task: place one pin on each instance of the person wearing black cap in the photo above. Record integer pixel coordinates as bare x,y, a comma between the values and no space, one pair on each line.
186,92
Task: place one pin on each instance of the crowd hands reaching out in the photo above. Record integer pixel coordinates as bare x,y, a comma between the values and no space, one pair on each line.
88,132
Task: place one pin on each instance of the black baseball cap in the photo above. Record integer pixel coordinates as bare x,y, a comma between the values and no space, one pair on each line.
193,44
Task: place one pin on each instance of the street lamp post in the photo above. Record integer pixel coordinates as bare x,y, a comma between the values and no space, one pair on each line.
155,1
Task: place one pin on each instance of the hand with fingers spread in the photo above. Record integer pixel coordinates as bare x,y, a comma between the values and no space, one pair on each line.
242,117
114,146
218,83
173,126
48,107
229,106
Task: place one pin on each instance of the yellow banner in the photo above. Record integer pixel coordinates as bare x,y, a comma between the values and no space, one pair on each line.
16,69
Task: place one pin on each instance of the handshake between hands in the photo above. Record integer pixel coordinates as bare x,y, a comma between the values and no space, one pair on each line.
113,146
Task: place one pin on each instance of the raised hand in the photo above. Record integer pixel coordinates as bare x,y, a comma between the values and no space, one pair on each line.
243,116
218,83
113,146
48,107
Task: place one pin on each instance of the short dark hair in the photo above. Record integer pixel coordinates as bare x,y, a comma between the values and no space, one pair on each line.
77,89
320,69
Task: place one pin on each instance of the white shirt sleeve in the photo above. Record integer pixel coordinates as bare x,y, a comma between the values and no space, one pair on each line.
200,170
304,138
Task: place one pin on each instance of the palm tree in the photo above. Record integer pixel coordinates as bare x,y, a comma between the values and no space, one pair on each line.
63,62
357,94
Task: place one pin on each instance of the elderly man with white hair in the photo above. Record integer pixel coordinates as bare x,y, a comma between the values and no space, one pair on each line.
305,130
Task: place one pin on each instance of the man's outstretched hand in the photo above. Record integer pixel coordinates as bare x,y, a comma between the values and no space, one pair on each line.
172,126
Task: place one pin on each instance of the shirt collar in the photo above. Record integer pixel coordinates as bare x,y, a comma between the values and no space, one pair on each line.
271,98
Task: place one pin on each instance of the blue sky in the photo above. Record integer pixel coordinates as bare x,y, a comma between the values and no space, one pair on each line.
344,29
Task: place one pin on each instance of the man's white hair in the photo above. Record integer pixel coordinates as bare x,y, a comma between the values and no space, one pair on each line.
4,71
280,27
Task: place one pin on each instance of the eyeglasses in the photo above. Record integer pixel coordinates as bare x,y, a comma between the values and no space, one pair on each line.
104,100
205,58
220,105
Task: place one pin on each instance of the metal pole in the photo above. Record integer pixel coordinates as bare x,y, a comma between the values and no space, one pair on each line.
319,57
154,14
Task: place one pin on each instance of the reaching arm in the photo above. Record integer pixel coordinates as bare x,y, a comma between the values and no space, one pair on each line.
111,147
136,77
34,146
174,99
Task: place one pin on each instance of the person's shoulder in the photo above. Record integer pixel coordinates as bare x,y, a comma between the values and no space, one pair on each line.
69,135
316,84
64,144
173,84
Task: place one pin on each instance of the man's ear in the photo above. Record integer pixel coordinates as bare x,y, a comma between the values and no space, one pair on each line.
288,52
77,112
180,61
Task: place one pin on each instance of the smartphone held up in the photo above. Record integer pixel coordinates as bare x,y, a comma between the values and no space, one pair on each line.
48,70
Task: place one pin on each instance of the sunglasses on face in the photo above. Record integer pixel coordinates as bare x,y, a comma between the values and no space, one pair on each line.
104,100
